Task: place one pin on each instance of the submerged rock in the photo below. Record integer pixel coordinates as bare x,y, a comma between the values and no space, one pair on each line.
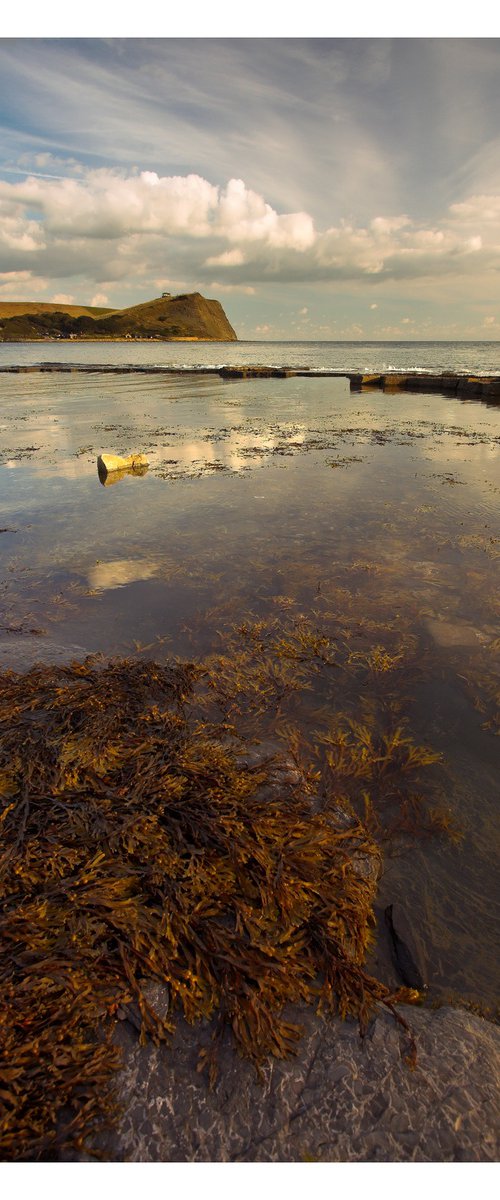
20,652
341,1098
454,633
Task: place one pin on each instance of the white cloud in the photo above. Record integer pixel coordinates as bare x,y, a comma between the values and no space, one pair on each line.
104,226
63,298
244,216
382,226
229,258
8,277
15,285
483,209
18,233
106,204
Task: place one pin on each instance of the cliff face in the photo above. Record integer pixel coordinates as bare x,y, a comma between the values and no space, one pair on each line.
181,316
185,316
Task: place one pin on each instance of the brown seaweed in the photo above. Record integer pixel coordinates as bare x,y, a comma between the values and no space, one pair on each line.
138,845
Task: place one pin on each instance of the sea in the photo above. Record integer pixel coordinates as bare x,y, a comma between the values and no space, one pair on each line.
478,358
286,513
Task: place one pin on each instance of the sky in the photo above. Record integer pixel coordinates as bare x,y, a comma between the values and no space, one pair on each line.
320,188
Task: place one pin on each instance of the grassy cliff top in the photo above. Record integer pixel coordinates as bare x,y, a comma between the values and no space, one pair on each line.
19,308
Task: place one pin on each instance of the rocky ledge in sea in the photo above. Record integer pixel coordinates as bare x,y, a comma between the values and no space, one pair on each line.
481,386
485,387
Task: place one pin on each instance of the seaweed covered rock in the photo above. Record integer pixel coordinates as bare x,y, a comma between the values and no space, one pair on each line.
140,848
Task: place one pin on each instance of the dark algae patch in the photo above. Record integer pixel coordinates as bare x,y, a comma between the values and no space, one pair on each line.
141,844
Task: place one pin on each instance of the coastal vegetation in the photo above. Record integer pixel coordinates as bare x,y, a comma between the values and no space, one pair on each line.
168,318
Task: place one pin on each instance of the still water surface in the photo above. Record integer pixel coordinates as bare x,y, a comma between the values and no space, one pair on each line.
372,518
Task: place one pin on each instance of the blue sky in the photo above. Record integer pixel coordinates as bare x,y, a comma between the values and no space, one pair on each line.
318,187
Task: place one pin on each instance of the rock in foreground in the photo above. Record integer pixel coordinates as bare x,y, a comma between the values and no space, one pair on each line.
341,1099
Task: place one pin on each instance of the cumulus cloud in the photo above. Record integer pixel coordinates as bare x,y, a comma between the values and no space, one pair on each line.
18,233
229,258
244,216
14,284
106,204
105,226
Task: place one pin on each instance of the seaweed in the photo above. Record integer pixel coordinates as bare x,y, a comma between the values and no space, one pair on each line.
139,845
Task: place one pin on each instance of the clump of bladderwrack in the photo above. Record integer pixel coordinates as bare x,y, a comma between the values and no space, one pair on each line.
138,846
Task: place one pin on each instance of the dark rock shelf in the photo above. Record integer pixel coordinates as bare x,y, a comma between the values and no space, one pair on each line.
487,386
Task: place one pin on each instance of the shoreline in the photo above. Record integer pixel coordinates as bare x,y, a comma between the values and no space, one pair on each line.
455,384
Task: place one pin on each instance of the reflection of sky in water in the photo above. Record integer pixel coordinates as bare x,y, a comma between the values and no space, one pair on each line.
260,495
119,572
284,463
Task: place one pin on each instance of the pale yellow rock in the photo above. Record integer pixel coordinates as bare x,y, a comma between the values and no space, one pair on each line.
116,467
114,462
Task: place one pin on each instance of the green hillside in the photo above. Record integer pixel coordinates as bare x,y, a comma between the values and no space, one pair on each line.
169,318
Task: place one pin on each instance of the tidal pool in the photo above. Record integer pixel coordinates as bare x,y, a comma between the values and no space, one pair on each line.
333,555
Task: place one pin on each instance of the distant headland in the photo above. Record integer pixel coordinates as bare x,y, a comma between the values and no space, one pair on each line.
188,317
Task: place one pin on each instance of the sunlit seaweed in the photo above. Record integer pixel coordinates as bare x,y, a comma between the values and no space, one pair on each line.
378,772
137,846
480,674
484,686
271,675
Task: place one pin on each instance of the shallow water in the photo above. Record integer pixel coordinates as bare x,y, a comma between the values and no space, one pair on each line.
371,517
